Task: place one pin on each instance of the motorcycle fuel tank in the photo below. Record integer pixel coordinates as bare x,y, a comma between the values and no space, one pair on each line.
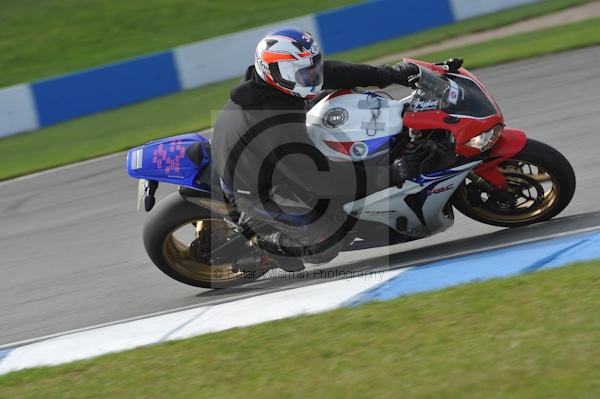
352,126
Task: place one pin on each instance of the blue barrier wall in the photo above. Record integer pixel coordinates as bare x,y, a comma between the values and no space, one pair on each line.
95,90
30,106
368,23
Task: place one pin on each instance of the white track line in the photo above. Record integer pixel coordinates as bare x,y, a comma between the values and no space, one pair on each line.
63,168
492,247
309,299
260,293
60,169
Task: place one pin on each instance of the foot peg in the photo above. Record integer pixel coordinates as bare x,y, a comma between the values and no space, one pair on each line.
254,263
289,264
249,264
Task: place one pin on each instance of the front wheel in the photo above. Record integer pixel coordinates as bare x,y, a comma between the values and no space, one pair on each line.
541,183
179,237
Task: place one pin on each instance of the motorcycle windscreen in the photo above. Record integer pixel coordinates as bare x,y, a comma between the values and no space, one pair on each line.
471,101
454,94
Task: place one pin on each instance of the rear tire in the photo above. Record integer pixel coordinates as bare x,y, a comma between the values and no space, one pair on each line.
545,165
174,258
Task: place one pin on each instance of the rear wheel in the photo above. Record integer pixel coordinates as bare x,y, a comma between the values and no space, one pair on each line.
179,237
541,183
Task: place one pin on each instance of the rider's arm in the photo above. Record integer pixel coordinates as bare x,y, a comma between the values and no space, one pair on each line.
343,75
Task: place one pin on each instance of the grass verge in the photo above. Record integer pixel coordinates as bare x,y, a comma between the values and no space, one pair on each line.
41,38
111,131
525,45
77,36
531,336
479,24
120,129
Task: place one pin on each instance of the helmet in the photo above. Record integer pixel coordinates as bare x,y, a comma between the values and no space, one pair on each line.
290,60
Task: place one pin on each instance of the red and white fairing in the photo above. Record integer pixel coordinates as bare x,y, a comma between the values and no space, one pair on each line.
352,126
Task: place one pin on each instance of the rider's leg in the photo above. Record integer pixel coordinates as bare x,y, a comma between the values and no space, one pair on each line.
292,238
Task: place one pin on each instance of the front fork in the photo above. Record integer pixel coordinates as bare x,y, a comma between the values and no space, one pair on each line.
509,144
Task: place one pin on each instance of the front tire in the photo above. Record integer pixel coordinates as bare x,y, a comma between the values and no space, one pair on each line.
541,181
173,234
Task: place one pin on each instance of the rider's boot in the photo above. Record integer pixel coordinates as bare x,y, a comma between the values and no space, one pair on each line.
256,262
282,251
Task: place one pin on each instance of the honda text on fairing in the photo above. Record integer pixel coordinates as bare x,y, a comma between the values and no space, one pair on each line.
489,172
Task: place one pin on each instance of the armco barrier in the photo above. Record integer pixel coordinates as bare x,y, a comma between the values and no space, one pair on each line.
43,103
226,57
371,22
112,86
18,112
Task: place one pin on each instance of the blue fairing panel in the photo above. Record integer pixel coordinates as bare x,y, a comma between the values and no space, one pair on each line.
165,160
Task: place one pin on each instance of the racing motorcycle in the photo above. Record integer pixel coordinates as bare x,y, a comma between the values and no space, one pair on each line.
477,165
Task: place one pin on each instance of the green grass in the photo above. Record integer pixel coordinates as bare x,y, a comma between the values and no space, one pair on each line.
531,336
432,36
40,38
126,127
526,45
111,131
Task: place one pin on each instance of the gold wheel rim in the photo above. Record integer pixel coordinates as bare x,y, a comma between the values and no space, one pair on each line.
177,254
550,196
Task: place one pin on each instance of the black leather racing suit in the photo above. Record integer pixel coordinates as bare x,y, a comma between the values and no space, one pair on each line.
269,166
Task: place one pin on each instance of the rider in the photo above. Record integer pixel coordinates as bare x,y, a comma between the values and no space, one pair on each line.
273,98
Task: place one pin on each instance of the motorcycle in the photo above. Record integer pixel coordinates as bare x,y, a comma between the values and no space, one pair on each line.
489,172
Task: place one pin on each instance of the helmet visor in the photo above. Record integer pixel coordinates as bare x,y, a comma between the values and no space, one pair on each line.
311,75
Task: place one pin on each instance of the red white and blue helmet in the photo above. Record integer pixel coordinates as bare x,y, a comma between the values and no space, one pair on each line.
291,61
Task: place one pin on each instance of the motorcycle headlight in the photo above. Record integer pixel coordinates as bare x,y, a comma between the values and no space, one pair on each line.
485,140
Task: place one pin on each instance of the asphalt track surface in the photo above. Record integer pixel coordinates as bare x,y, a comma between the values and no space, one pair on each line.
70,238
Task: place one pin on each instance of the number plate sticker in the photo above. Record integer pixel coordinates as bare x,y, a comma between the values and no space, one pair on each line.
453,92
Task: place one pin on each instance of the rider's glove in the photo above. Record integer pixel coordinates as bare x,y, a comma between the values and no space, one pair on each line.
452,64
405,168
406,73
